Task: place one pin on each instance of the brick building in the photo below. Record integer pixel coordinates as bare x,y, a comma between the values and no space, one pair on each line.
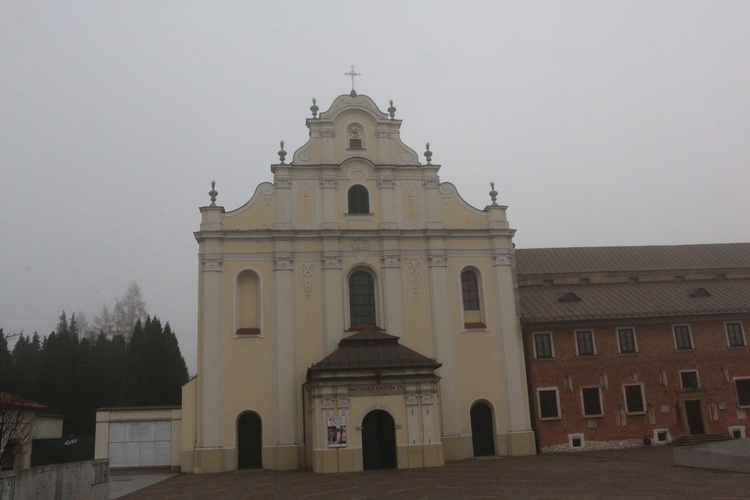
627,342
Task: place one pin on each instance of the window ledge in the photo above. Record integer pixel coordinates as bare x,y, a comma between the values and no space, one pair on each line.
247,332
349,216
635,413
475,325
586,356
737,347
692,349
546,358
627,353
594,416
549,419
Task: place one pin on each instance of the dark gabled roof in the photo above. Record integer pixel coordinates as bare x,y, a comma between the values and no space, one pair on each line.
541,304
373,349
8,400
533,261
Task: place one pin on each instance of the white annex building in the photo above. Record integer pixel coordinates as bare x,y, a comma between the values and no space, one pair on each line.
356,313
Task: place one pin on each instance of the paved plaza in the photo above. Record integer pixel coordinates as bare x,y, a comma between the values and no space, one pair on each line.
633,473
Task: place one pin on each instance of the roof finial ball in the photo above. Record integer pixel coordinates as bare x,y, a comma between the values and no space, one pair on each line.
392,110
213,193
428,154
493,193
314,108
282,153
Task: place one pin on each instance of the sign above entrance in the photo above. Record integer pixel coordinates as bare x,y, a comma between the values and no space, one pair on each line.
370,388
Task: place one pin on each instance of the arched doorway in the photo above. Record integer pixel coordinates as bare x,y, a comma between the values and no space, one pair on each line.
378,441
249,441
482,433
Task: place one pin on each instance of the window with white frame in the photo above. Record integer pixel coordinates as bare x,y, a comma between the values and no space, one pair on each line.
576,440
585,343
626,340
737,431
661,435
543,348
683,340
689,379
742,386
735,335
591,401
549,403
634,400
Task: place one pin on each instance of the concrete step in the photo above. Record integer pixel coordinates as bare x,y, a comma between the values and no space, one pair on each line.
697,439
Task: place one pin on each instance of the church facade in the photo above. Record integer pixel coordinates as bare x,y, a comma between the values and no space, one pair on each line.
356,313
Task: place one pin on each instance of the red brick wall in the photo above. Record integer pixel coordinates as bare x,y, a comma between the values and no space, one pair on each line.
656,352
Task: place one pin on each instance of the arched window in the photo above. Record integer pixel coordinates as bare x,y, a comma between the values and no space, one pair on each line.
472,303
248,303
359,200
362,299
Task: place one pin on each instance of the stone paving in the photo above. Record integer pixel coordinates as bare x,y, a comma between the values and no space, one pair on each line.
633,473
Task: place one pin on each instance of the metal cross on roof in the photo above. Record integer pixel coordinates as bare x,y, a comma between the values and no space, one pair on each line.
352,74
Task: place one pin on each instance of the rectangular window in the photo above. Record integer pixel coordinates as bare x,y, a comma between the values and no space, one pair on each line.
682,339
470,290
585,343
543,345
548,403
689,379
743,392
592,401
634,398
626,340
735,335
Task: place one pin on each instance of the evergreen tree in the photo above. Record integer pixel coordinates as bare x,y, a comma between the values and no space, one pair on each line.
6,364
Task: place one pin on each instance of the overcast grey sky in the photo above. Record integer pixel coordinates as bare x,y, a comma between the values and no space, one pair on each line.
601,123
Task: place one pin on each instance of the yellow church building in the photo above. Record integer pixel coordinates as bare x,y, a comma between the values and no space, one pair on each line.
356,313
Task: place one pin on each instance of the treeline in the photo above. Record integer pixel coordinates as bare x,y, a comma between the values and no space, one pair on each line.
74,375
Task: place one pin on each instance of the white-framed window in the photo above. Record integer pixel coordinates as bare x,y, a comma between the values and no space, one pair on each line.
689,379
683,338
735,334
576,440
471,298
585,345
362,305
662,436
635,401
737,431
591,401
626,341
742,388
549,403
543,345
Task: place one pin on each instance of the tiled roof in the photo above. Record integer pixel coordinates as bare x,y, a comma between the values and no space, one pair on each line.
632,259
8,400
373,349
635,300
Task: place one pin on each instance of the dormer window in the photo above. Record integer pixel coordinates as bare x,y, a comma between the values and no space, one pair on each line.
355,132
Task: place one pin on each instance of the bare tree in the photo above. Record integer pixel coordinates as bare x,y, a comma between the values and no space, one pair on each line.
128,310
16,427
104,323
